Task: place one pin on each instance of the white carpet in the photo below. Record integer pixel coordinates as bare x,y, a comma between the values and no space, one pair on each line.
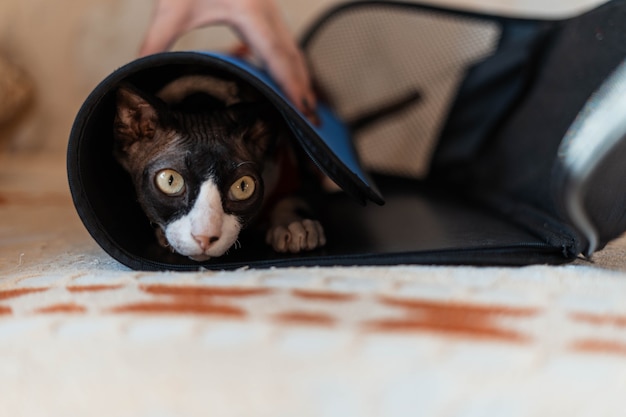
81,335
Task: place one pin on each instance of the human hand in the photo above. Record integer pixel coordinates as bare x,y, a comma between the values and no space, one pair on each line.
257,22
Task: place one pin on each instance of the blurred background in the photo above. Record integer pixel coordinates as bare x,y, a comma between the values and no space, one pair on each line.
52,54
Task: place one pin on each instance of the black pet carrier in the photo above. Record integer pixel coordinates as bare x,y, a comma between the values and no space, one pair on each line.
491,140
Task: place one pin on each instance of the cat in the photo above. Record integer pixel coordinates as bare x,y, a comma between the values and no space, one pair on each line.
205,155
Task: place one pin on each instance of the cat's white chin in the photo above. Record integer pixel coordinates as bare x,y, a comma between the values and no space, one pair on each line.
200,258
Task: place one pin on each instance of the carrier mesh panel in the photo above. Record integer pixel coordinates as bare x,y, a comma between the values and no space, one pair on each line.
368,56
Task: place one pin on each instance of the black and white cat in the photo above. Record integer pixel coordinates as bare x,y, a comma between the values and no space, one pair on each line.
204,156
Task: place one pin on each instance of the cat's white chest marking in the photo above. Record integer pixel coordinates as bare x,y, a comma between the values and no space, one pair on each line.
206,231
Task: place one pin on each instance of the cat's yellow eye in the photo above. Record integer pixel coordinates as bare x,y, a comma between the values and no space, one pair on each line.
170,182
243,188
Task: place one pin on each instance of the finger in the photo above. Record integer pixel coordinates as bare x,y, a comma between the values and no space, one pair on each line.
173,18
292,75
268,36
164,28
287,65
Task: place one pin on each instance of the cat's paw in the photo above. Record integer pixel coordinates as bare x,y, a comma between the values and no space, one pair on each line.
298,236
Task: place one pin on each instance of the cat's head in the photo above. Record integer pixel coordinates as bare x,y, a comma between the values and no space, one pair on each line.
197,175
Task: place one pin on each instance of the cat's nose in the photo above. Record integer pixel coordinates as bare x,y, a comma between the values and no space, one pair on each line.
205,242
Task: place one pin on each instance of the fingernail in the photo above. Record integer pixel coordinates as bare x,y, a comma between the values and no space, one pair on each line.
310,113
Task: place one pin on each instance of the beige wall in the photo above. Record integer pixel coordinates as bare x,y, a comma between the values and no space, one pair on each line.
68,46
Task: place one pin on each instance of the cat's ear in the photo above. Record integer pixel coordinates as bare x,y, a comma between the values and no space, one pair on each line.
136,119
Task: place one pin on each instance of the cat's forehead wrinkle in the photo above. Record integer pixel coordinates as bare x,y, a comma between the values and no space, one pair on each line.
248,163
164,143
210,123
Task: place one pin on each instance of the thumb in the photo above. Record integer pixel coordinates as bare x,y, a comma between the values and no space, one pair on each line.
168,23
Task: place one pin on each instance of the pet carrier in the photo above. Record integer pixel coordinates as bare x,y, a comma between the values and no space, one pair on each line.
492,140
